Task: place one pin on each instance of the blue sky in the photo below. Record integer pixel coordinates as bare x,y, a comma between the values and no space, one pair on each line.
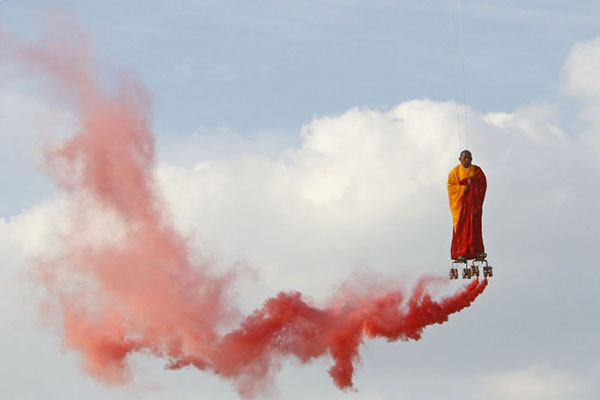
265,65
313,138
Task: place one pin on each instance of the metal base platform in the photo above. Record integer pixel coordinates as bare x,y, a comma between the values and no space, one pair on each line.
472,269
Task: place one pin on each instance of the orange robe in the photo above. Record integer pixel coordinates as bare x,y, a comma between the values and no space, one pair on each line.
467,209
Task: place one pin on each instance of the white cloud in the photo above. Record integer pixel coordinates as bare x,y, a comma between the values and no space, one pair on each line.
581,70
357,180
355,176
533,383
581,80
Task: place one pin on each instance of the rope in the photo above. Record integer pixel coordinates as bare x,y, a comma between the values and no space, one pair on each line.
452,46
464,75
462,126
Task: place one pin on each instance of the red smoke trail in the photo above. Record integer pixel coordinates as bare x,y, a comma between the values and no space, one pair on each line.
287,325
140,291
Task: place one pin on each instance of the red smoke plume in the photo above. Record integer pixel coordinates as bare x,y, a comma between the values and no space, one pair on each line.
140,291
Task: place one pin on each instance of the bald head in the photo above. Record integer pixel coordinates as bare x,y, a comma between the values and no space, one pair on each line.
465,158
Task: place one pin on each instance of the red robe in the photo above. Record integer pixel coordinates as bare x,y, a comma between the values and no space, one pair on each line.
467,209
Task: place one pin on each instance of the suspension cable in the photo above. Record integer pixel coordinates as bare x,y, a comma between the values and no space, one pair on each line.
459,68
464,75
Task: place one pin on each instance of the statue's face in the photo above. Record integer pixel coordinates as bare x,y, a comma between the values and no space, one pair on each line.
465,159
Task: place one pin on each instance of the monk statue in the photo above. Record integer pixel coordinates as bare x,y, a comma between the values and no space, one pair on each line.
466,191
